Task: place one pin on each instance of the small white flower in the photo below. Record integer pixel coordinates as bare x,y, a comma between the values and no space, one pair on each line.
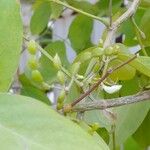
111,89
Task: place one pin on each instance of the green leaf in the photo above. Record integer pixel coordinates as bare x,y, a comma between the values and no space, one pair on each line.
142,135
125,73
129,117
56,10
88,54
80,32
128,29
29,90
145,27
10,41
47,68
104,134
40,18
103,6
141,63
131,144
85,6
145,3
29,124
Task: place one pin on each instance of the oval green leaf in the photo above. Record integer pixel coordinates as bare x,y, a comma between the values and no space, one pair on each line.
80,32
141,63
10,41
40,18
127,72
29,124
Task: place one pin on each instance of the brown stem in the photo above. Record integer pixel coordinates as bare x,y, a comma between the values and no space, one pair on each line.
115,102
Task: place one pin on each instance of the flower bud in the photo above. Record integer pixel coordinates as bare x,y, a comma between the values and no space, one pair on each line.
36,76
32,47
57,62
61,96
61,77
33,63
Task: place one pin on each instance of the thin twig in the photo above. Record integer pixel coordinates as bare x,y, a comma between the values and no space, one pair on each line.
110,13
112,30
115,102
110,71
103,20
139,35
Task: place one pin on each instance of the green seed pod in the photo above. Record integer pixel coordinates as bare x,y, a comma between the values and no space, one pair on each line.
75,68
32,47
113,50
36,76
96,67
61,96
108,51
46,86
57,62
61,77
33,63
97,52
60,106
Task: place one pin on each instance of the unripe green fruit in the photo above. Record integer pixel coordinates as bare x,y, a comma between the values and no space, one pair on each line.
108,51
61,77
60,106
111,50
96,67
46,86
61,96
32,47
36,76
33,63
57,62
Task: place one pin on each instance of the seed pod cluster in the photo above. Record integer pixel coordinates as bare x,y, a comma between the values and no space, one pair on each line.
112,50
33,65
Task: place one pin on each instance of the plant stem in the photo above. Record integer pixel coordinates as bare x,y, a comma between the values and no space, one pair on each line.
103,20
111,103
110,13
139,34
113,136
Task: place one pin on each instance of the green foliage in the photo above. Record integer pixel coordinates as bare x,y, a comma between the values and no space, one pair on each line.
29,90
125,73
10,41
47,68
142,135
141,63
35,125
145,27
40,18
80,32
30,124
